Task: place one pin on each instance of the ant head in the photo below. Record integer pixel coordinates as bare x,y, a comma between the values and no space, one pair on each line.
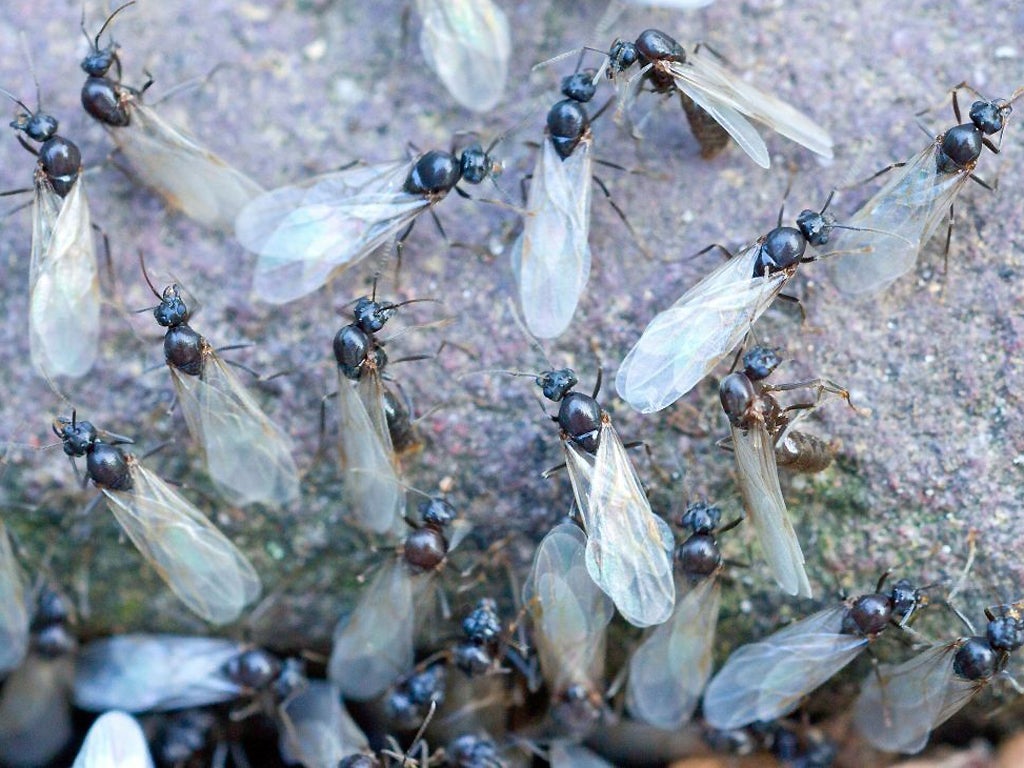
621,56
556,384
437,512
172,310
580,86
760,362
77,436
701,517
99,60
37,125
371,315
990,116
476,164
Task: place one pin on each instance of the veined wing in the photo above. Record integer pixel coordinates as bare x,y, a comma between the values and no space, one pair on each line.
551,258
154,673
198,562
758,478
899,705
669,669
684,343
767,679
629,548
373,492
700,74
188,176
901,217
374,644
568,610
13,613
115,740
467,43
247,455
565,754
64,289
316,730
304,232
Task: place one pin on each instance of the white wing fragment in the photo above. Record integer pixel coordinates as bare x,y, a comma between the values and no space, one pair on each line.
629,548
64,295
154,673
767,679
305,232
188,176
115,740
14,620
669,669
200,565
758,478
467,43
247,456
551,258
684,343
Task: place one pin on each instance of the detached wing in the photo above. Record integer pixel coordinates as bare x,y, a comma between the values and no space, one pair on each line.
467,43
374,644
64,289
247,455
725,95
767,679
684,343
373,492
187,175
198,562
629,548
758,478
669,669
115,740
304,232
551,258
899,705
316,730
14,619
154,673
899,219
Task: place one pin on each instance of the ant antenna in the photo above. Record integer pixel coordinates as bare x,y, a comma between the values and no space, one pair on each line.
96,41
529,336
15,99
145,274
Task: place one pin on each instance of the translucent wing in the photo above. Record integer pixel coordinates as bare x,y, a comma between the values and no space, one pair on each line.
35,711
900,705
248,457
13,613
569,612
564,754
200,565
669,669
767,679
188,176
551,258
467,43
629,548
684,343
903,215
734,123
316,731
303,233
758,478
373,492
154,673
709,83
115,740
64,289
374,644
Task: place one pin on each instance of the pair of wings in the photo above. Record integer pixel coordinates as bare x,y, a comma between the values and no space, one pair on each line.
767,679
467,43
569,612
886,234
154,673
247,456
669,669
115,740
681,345
14,618
758,476
188,176
198,562
900,705
303,233
629,548
316,729
374,494
551,258
64,288
730,101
